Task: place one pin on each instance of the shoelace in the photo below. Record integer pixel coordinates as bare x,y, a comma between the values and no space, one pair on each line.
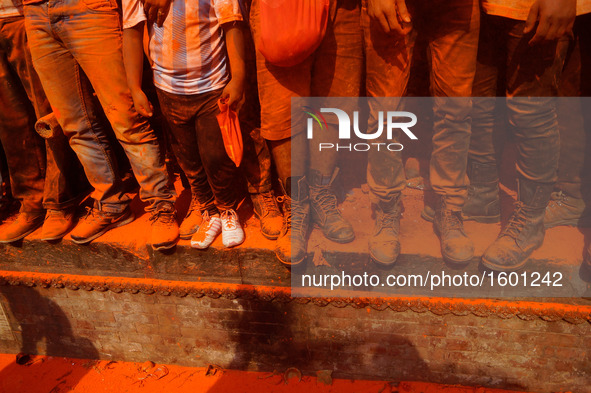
268,202
229,218
165,217
516,222
91,214
451,220
386,220
326,200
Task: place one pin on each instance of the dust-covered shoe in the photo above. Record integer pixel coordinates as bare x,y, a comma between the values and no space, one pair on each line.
209,229
232,233
96,223
165,228
191,222
58,223
268,213
24,224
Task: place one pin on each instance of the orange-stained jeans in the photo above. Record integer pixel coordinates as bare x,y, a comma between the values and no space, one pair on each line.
574,120
197,143
528,75
451,29
73,36
43,174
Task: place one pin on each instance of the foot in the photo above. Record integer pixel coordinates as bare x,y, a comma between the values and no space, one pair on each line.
232,233
24,224
58,223
96,223
209,229
521,237
165,229
566,210
191,223
268,213
325,213
384,244
456,246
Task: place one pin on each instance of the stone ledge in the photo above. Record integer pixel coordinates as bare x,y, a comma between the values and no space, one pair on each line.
523,309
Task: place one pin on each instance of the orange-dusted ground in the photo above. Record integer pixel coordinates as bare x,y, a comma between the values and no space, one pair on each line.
60,375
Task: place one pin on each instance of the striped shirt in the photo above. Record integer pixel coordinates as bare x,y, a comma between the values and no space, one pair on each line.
188,52
519,9
9,8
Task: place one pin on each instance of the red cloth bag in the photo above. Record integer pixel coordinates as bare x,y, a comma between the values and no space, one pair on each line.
231,134
291,30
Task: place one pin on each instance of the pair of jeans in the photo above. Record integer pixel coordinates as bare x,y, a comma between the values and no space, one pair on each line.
71,37
574,121
196,140
528,76
43,174
451,29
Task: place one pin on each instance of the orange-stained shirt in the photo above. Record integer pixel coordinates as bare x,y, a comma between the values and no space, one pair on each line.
519,9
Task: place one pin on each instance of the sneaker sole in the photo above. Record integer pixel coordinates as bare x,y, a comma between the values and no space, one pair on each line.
290,263
21,237
107,229
162,247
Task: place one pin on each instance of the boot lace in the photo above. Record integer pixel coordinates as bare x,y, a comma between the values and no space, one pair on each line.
452,220
269,203
163,216
326,200
516,223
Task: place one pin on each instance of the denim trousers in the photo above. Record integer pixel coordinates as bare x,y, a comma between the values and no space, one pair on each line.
451,30
196,140
528,78
71,37
43,174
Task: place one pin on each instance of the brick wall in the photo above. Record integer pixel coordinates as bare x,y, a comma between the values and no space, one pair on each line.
525,353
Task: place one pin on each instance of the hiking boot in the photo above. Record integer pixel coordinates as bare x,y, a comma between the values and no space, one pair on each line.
232,233
456,246
96,223
24,224
58,223
292,244
482,203
325,213
566,210
209,229
192,220
384,245
525,231
165,228
268,213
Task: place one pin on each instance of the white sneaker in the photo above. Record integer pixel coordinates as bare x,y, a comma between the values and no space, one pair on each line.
209,229
232,233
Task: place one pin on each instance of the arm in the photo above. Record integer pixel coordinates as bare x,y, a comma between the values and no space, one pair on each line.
234,90
133,58
555,18
392,15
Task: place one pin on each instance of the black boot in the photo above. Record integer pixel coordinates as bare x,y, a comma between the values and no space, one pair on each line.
292,244
525,231
384,244
456,246
483,203
325,213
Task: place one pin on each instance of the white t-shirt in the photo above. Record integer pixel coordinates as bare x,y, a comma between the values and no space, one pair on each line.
188,52
10,8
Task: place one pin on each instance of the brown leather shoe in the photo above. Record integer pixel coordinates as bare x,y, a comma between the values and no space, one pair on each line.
58,223
25,224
